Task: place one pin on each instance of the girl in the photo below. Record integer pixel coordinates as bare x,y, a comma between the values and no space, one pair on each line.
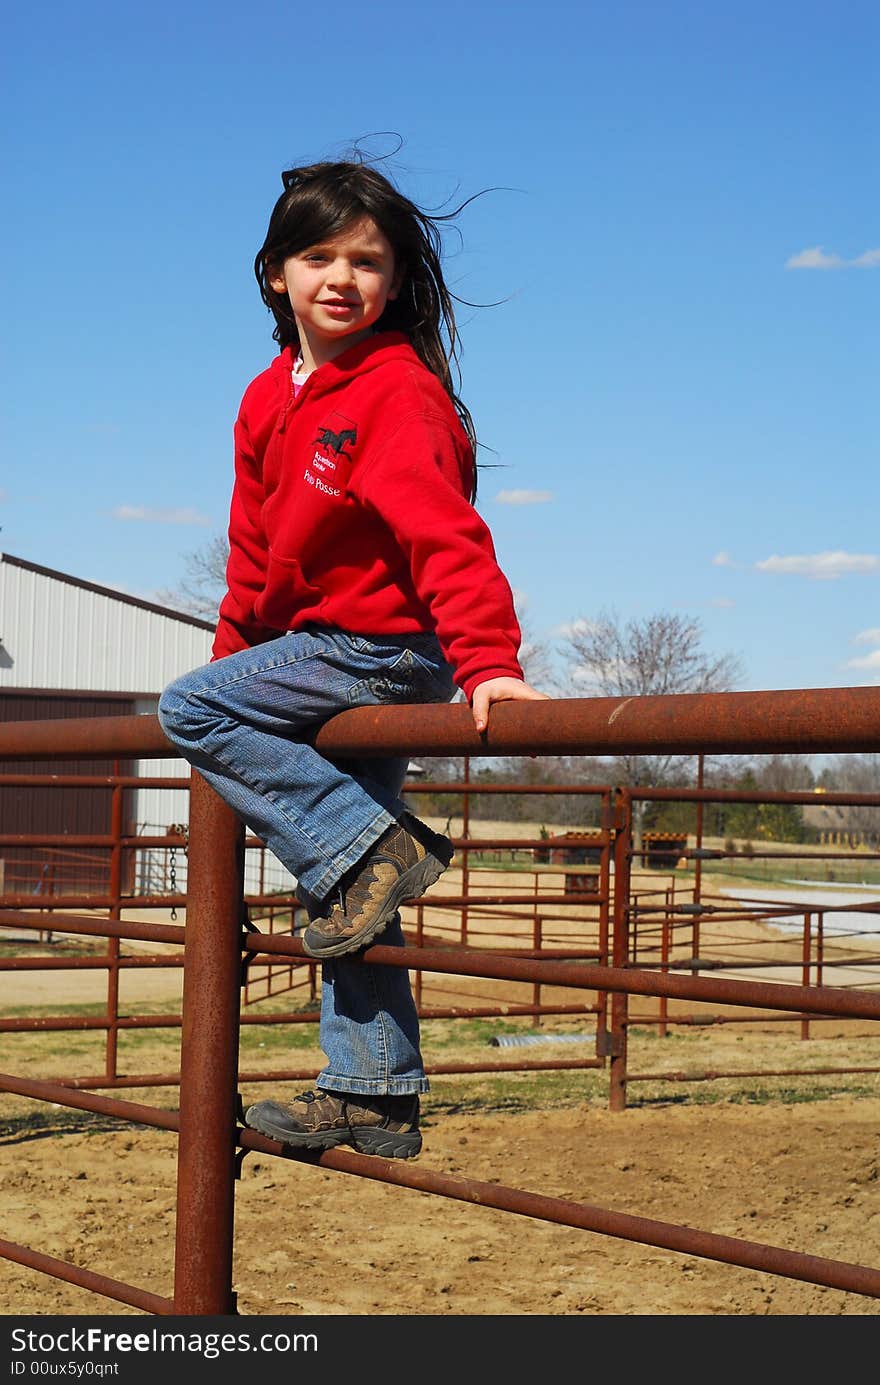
359,573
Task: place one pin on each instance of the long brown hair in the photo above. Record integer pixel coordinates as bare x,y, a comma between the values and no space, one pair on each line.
322,199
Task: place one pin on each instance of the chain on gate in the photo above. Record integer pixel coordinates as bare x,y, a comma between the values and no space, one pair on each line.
179,829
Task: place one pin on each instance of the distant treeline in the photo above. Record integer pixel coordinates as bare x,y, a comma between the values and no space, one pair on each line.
781,822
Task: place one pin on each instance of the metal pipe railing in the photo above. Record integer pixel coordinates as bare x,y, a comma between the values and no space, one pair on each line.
209,1057
807,721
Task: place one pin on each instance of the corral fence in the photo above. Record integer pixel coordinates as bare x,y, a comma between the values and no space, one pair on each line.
219,944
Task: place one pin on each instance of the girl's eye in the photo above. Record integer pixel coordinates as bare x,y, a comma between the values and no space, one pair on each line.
315,258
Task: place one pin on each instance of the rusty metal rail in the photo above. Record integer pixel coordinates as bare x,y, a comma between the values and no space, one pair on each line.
809,721
833,1274
825,720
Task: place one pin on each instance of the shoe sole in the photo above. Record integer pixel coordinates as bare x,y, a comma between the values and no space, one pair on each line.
411,885
392,1144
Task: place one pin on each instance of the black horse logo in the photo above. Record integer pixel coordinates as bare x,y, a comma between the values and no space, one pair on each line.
335,442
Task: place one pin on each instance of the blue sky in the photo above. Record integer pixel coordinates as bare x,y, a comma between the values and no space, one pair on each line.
678,390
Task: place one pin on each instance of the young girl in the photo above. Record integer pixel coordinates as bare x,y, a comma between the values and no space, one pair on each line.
359,573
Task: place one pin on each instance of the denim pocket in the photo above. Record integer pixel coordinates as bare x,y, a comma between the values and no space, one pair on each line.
404,674
433,677
395,682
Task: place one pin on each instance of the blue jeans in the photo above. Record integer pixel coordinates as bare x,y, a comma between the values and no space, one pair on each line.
244,723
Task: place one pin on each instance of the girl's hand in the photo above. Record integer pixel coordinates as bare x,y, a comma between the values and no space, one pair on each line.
500,690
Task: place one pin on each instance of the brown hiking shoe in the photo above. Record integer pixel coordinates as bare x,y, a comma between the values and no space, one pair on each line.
402,864
386,1125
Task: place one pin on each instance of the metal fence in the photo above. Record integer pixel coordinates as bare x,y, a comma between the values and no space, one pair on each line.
217,942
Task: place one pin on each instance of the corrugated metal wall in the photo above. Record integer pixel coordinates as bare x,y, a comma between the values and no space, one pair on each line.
60,633
60,810
159,809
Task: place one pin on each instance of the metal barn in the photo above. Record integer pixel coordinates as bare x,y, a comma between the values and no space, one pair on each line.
71,648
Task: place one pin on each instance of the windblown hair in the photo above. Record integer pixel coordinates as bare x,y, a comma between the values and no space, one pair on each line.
323,199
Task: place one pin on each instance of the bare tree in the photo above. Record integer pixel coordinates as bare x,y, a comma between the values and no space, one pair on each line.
660,654
784,773
204,581
852,774
534,653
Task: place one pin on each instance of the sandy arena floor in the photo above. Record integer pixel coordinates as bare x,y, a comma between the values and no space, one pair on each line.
799,1174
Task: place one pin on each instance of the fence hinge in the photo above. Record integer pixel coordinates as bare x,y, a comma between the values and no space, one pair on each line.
247,956
612,817
241,1151
609,1045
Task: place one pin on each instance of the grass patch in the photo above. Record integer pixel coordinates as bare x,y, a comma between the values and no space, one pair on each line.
443,1035
514,1093
67,947
41,1125
276,1038
818,872
689,1051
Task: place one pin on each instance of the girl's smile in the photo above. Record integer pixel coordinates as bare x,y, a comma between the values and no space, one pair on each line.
338,289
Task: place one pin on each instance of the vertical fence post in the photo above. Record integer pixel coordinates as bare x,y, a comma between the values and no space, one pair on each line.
537,945
623,848
209,1057
698,864
665,952
420,942
465,855
111,1043
606,820
806,955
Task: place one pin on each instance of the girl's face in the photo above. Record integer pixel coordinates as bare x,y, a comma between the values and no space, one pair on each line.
338,289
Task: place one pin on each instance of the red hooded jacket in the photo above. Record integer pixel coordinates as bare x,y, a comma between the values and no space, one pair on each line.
350,509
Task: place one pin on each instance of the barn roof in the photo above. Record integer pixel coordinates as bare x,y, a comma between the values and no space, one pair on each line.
112,592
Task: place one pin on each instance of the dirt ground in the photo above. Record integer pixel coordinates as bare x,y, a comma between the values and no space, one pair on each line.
788,1163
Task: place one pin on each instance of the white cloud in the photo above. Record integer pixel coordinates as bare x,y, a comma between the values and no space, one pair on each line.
722,559
820,566
869,661
723,603
523,497
868,636
147,515
816,258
